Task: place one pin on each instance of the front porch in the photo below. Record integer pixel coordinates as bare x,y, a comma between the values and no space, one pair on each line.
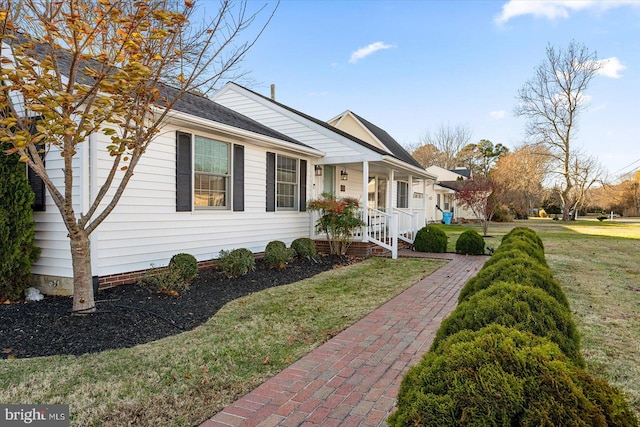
395,207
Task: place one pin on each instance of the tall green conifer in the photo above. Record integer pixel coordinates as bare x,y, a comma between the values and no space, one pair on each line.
17,228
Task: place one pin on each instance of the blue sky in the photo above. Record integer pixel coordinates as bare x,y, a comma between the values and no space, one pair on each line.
411,66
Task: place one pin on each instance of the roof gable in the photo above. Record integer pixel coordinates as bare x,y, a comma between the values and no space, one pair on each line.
383,138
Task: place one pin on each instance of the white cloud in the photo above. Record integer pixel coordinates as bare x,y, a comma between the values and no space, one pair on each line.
554,9
499,114
368,50
611,67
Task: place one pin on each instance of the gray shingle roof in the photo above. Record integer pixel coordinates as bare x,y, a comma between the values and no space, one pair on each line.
399,154
189,103
205,108
393,146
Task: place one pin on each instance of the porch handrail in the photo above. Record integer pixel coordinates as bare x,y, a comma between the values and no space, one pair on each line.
407,225
382,229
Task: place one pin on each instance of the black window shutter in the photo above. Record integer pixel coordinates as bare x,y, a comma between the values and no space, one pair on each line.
36,183
39,189
238,178
271,182
183,172
303,185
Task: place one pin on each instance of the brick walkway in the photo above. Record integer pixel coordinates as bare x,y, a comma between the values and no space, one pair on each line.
353,379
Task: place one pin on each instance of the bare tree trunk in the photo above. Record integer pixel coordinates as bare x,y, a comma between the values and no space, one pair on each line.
83,298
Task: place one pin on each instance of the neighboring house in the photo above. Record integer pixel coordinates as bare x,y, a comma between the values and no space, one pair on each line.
232,172
367,166
442,193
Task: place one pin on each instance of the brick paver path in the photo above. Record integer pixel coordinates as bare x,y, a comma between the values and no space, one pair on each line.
353,379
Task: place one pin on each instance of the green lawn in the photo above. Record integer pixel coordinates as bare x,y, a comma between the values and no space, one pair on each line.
184,379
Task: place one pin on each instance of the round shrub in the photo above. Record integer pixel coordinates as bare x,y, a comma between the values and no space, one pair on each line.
513,254
276,254
523,271
524,245
237,262
304,247
470,242
500,376
521,307
524,232
185,266
430,239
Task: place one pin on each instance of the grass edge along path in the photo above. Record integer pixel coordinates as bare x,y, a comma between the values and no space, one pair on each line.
183,379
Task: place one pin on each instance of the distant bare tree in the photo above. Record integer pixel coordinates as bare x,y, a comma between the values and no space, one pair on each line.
552,102
444,145
521,173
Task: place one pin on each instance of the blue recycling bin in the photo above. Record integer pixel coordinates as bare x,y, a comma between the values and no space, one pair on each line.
446,217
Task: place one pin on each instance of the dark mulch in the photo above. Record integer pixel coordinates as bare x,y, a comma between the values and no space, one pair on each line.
131,314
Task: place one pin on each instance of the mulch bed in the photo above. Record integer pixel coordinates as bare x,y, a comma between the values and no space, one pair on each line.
129,315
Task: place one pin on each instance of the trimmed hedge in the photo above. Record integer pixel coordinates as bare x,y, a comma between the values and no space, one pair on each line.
185,266
524,232
470,242
525,308
276,254
523,271
499,376
304,247
430,239
237,262
524,245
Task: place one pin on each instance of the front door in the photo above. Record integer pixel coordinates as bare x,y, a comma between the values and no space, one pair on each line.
377,193
329,181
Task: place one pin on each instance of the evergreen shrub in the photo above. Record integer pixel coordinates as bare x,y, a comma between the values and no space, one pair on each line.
17,228
500,376
276,254
523,271
237,262
470,242
525,245
430,239
512,254
524,232
185,267
521,307
304,247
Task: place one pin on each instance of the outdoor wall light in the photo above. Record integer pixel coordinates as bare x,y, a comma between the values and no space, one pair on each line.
318,170
344,175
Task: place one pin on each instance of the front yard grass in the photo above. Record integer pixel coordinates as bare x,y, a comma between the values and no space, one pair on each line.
184,379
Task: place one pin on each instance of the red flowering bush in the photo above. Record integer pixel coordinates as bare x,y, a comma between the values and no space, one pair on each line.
339,219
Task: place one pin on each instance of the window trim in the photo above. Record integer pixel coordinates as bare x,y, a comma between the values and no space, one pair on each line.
295,183
228,177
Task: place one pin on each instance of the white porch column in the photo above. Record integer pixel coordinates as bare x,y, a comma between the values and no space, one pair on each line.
365,199
410,195
426,202
390,192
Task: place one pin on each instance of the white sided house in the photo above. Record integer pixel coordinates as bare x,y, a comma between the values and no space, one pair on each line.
207,183
442,192
360,161
233,172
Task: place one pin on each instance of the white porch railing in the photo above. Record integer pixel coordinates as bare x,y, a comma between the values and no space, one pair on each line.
382,229
407,225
